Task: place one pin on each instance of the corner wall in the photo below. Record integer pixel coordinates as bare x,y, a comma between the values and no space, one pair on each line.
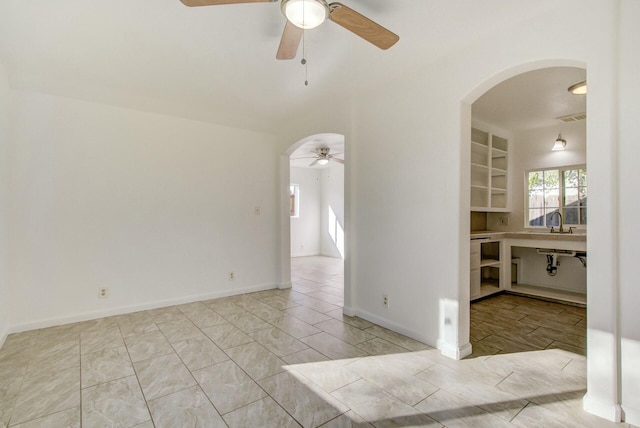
4,179
157,209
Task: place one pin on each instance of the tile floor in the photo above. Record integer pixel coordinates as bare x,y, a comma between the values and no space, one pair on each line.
278,358
507,323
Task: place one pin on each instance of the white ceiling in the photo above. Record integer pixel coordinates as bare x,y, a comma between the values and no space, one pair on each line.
218,63
532,100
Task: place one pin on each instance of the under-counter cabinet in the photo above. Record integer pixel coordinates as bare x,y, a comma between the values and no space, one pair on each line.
489,171
485,265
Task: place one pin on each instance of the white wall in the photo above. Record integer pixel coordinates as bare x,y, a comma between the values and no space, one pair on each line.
332,191
158,209
531,150
305,230
4,178
629,227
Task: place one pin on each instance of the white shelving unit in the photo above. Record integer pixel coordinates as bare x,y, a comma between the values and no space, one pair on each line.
489,171
485,268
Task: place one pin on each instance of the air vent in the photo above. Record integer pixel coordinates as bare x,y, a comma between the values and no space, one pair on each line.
573,117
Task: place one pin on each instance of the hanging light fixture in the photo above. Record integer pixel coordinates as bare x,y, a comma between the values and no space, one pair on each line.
323,161
559,144
579,88
305,14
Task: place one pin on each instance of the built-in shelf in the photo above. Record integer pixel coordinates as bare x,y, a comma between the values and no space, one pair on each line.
489,262
488,288
489,171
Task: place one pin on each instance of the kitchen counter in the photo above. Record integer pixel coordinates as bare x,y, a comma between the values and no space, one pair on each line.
542,236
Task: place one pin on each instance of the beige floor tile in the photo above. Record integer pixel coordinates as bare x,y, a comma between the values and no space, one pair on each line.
345,332
307,356
379,408
168,314
307,315
176,331
256,360
116,403
199,353
99,337
333,347
187,408
227,335
47,394
206,318
103,366
279,303
306,402
136,323
247,322
403,386
328,375
147,345
228,386
278,342
294,327
347,420
264,413
377,346
162,375
69,418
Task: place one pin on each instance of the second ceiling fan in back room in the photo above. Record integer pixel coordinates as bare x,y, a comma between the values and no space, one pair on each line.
307,14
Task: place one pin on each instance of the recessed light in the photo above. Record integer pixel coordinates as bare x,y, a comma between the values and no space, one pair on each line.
579,88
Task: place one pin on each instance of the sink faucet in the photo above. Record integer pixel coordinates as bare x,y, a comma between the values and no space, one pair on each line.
561,230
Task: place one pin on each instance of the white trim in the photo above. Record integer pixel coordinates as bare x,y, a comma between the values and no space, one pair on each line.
348,311
608,411
454,352
85,316
3,336
284,285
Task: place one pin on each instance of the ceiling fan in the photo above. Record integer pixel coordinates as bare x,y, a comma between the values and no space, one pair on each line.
322,157
306,14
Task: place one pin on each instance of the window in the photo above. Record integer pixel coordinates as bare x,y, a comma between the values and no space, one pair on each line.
294,203
562,190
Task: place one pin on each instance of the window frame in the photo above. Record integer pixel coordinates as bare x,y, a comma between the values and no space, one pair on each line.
296,200
561,188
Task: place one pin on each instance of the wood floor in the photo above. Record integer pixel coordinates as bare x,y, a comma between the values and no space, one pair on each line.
506,323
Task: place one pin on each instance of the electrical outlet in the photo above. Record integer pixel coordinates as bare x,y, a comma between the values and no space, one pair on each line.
504,221
103,293
385,300
232,276
257,210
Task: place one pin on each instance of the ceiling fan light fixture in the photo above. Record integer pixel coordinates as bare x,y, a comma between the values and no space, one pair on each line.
323,161
579,88
305,14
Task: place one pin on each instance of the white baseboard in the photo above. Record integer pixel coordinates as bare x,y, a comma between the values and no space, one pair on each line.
348,311
285,285
455,352
85,316
3,335
605,410
392,326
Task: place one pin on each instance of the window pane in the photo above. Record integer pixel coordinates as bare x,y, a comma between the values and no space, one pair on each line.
535,180
572,215
536,217
551,198
582,193
552,220
536,199
551,179
570,196
571,178
583,215
582,174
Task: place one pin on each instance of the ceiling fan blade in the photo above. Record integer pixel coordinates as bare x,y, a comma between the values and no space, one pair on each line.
362,26
308,157
289,42
192,3
338,160
314,162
